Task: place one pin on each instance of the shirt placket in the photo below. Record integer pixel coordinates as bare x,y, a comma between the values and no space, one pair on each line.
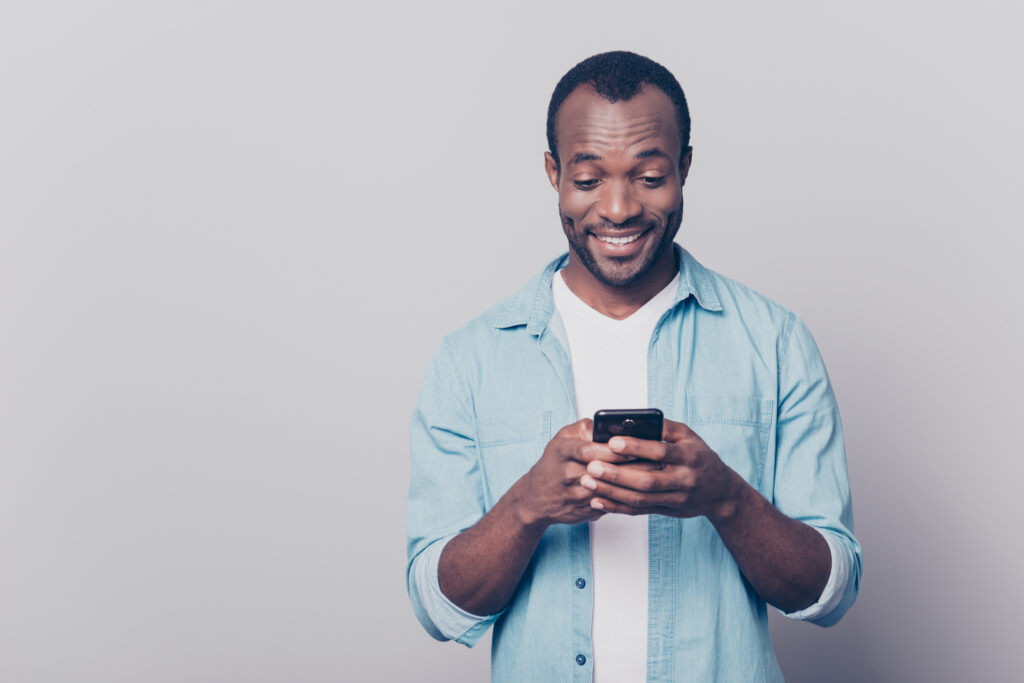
579,582
664,533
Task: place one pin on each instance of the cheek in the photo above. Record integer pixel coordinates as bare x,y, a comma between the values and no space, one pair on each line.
575,205
665,200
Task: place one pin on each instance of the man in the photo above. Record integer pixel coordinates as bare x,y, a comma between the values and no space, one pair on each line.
632,560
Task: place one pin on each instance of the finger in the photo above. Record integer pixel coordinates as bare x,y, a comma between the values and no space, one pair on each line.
590,452
644,465
676,431
581,429
631,497
578,494
642,478
607,506
572,472
638,448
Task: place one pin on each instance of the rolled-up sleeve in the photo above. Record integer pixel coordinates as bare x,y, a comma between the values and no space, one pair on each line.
811,481
446,495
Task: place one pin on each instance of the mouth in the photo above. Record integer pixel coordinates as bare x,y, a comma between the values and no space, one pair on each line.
620,246
608,239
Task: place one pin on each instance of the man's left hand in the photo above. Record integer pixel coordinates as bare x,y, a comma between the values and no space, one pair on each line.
678,477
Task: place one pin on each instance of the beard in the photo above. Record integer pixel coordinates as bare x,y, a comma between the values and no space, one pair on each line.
621,272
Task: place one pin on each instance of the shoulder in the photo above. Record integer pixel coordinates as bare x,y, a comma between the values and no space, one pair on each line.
735,300
737,325
735,313
524,311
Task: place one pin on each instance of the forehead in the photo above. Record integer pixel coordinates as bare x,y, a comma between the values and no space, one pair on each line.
587,121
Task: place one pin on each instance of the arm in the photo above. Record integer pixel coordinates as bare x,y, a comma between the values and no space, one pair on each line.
446,507
480,568
786,561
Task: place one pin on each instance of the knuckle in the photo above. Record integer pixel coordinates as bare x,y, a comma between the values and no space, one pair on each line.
687,478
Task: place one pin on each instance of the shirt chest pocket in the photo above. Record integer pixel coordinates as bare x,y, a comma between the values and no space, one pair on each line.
509,446
736,427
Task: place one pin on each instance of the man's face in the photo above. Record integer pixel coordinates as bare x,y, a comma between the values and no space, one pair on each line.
620,183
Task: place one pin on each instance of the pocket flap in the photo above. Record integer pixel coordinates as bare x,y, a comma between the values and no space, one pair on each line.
510,428
730,409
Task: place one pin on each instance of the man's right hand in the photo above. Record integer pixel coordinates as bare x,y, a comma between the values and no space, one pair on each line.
550,493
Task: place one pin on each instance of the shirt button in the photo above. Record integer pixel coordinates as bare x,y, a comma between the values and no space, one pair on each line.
581,660
580,583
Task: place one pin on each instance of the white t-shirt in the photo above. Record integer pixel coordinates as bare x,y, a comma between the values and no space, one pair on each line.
609,367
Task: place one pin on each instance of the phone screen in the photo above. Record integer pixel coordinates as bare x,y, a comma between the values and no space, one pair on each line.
640,423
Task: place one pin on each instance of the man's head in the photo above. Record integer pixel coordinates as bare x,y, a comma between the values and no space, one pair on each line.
618,76
619,128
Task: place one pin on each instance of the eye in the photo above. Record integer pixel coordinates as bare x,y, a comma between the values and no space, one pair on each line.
652,181
586,184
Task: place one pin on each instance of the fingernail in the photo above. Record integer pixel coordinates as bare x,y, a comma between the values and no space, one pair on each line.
595,468
616,443
595,503
588,482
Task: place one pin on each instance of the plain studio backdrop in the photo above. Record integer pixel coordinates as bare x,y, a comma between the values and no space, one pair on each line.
231,234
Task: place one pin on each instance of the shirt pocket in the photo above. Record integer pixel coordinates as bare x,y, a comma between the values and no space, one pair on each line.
509,446
736,428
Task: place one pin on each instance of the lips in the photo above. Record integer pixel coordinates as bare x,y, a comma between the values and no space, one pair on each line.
619,245
609,239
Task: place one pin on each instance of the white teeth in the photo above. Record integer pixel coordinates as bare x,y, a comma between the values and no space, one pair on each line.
619,240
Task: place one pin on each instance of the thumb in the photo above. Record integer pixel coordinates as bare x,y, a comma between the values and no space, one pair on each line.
676,431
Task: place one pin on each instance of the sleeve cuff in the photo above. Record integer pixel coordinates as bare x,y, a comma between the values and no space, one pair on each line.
835,588
450,621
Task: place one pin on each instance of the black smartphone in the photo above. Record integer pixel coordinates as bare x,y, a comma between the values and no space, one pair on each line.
640,423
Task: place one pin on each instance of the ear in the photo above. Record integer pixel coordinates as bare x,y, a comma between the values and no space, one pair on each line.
684,165
551,168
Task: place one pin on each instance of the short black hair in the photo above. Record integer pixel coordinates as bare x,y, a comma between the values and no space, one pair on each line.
619,76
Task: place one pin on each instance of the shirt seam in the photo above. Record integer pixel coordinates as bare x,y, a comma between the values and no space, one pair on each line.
467,401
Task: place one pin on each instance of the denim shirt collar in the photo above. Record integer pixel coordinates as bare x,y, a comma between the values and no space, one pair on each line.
533,305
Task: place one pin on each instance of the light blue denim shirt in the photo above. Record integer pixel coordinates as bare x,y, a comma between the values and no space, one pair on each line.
740,370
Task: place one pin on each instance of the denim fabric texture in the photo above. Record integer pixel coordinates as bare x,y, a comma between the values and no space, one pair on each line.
739,369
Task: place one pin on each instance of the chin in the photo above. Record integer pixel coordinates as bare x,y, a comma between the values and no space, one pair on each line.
624,274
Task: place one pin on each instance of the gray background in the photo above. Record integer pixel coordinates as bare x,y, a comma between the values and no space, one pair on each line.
232,233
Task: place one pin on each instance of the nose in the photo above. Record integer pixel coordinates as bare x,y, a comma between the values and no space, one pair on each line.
618,204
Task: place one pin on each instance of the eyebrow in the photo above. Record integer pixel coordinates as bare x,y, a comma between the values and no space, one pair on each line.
653,152
583,156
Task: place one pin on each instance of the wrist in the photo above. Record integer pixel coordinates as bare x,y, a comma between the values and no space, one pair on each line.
730,505
528,518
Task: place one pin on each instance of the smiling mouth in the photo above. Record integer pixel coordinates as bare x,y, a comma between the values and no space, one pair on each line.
619,240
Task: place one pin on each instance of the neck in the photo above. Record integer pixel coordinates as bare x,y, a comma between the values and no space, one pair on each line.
619,301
